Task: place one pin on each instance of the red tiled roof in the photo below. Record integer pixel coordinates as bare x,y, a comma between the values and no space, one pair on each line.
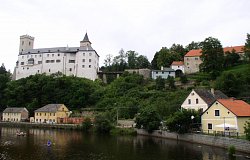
194,53
177,63
238,107
237,49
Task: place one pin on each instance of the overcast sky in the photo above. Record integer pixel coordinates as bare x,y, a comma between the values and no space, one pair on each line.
141,25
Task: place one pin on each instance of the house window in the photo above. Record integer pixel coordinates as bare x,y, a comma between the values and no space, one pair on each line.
71,61
217,112
58,55
52,61
156,72
162,72
37,114
189,101
58,61
39,62
22,63
209,126
83,54
45,114
47,61
89,60
83,60
70,69
31,61
89,66
197,100
90,54
40,114
83,66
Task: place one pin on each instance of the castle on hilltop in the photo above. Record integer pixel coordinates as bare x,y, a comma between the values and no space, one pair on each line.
80,61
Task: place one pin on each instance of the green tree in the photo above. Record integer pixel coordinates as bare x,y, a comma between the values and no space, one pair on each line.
148,119
86,124
160,83
193,45
102,123
132,59
5,77
171,82
247,130
178,49
166,57
231,59
212,56
182,121
154,64
108,60
247,47
142,62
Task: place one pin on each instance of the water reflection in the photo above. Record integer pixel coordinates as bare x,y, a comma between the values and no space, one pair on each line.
74,145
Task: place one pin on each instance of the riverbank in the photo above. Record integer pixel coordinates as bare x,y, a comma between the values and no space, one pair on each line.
41,125
223,142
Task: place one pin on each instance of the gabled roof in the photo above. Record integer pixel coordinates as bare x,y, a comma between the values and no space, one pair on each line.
238,107
210,97
177,63
49,108
14,110
194,53
238,49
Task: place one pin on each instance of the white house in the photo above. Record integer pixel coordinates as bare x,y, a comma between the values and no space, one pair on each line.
80,61
178,66
201,99
163,73
15,114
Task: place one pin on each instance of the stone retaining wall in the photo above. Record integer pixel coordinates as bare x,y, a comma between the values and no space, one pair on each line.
225,142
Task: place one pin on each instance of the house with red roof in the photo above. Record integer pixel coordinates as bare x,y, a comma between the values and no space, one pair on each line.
226,115
238,49
192,61
178,66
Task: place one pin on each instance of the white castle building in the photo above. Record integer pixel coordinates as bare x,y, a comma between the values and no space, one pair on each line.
80,61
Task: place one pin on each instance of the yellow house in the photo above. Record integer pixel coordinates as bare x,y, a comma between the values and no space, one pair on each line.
15,114
51,113
226,115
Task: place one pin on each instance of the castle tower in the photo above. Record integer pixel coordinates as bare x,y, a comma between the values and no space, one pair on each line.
26,42
85,42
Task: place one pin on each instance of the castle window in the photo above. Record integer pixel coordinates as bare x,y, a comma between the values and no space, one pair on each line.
37,71
89,60
22,42
70,69
31,61
47,61
39,62
58,61
89,66
22,63
71,61
52,61
31,56
49,70
29,43
40,55
58,55
47,55
52,55
83,54
83,60
35,56
22,57
83,66
90,54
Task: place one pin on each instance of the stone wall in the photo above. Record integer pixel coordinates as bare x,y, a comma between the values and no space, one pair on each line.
224,142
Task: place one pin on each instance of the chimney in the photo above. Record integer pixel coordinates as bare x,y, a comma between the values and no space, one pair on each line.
212,91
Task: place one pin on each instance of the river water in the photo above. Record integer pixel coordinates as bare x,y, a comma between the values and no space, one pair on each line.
75,145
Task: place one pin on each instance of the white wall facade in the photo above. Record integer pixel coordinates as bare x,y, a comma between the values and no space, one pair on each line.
162,74
176,67
194,101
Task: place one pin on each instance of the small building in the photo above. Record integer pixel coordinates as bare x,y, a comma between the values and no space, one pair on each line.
226,115
237,49
201,99
51,113
192,61
163,73
178,66
15,114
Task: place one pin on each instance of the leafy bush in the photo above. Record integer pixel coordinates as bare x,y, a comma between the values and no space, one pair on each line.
86,124
247,130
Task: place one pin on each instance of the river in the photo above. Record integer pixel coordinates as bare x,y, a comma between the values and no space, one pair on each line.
75,145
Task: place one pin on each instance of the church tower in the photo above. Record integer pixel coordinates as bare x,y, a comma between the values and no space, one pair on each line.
26,43
85,42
